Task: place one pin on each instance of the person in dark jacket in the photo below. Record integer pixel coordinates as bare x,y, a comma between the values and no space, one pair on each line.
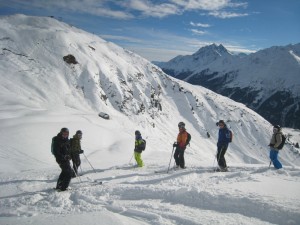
75,151
224,139
61,152
275,141
139,146
180,146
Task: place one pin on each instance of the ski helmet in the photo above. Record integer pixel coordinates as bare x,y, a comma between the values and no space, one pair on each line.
79,132
137,132
181,125
277,126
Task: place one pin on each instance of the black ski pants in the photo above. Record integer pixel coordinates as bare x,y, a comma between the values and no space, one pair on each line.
221,155
76,162
179,157
65,175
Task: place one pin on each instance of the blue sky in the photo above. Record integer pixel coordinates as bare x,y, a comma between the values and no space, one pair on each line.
160,30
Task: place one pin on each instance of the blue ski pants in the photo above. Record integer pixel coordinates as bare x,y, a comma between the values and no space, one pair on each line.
274,158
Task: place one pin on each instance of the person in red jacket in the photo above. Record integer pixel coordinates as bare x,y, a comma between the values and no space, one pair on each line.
180,146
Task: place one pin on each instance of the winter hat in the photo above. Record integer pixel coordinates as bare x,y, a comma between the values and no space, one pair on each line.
79,132
64,129
221,122
137,133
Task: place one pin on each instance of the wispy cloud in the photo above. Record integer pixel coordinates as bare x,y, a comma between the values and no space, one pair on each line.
198,32
147,8
226,15
199,24
129,9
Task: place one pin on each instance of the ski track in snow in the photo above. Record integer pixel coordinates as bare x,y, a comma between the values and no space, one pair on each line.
195,195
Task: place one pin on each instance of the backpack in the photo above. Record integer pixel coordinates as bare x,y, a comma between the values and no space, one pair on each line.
52,145
228,135
282,142
189,137
142,146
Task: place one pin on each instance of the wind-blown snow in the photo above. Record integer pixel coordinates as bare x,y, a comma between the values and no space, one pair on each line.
40,93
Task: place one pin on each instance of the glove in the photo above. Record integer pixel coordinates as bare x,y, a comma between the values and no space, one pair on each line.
67,157
175,145
81,151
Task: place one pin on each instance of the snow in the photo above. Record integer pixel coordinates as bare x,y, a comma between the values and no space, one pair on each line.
40,94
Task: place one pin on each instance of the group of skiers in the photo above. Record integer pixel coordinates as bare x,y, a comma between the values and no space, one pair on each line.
65,150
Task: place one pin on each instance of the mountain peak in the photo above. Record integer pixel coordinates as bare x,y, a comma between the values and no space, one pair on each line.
212,49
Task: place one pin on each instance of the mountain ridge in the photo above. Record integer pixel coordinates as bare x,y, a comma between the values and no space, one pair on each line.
256,80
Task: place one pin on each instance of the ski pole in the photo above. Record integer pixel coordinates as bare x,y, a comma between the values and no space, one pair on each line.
170,160
131,158
76,175
89,163
81,169
214,161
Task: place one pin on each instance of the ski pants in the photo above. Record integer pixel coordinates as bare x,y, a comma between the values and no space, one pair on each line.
138,159
221,155
65,175
179,157
274,158
76,162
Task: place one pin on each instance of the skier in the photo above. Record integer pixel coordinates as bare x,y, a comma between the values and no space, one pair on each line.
274,143
75,151
139,147
224,139
61,145
180,146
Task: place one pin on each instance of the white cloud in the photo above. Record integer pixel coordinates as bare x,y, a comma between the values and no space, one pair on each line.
226,15
198,32
200,24
147,8
207,5
131,8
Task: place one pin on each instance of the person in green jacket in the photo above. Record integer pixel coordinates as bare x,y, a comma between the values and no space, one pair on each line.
140,145
76,150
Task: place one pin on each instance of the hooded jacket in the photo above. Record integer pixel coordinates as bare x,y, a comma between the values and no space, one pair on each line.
276,139
181,139
61,148
75,145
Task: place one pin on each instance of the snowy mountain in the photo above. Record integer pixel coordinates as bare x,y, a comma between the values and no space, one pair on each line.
266,81
54,75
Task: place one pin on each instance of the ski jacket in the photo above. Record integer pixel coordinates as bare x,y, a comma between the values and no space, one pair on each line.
181,139
276,139
61,149
75,145
139,144
224,136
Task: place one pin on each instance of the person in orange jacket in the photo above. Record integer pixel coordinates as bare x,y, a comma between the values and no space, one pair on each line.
180,146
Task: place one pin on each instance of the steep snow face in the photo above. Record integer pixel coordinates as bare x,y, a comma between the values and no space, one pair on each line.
266,81
40,93
36,82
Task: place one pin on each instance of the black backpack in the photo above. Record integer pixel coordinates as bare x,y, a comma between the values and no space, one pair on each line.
282,142
143,145
52,145
188,140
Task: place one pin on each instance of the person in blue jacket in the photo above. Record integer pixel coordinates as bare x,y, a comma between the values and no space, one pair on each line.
224,138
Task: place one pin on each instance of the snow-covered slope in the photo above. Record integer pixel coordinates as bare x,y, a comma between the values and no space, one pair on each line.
40,93
267,81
